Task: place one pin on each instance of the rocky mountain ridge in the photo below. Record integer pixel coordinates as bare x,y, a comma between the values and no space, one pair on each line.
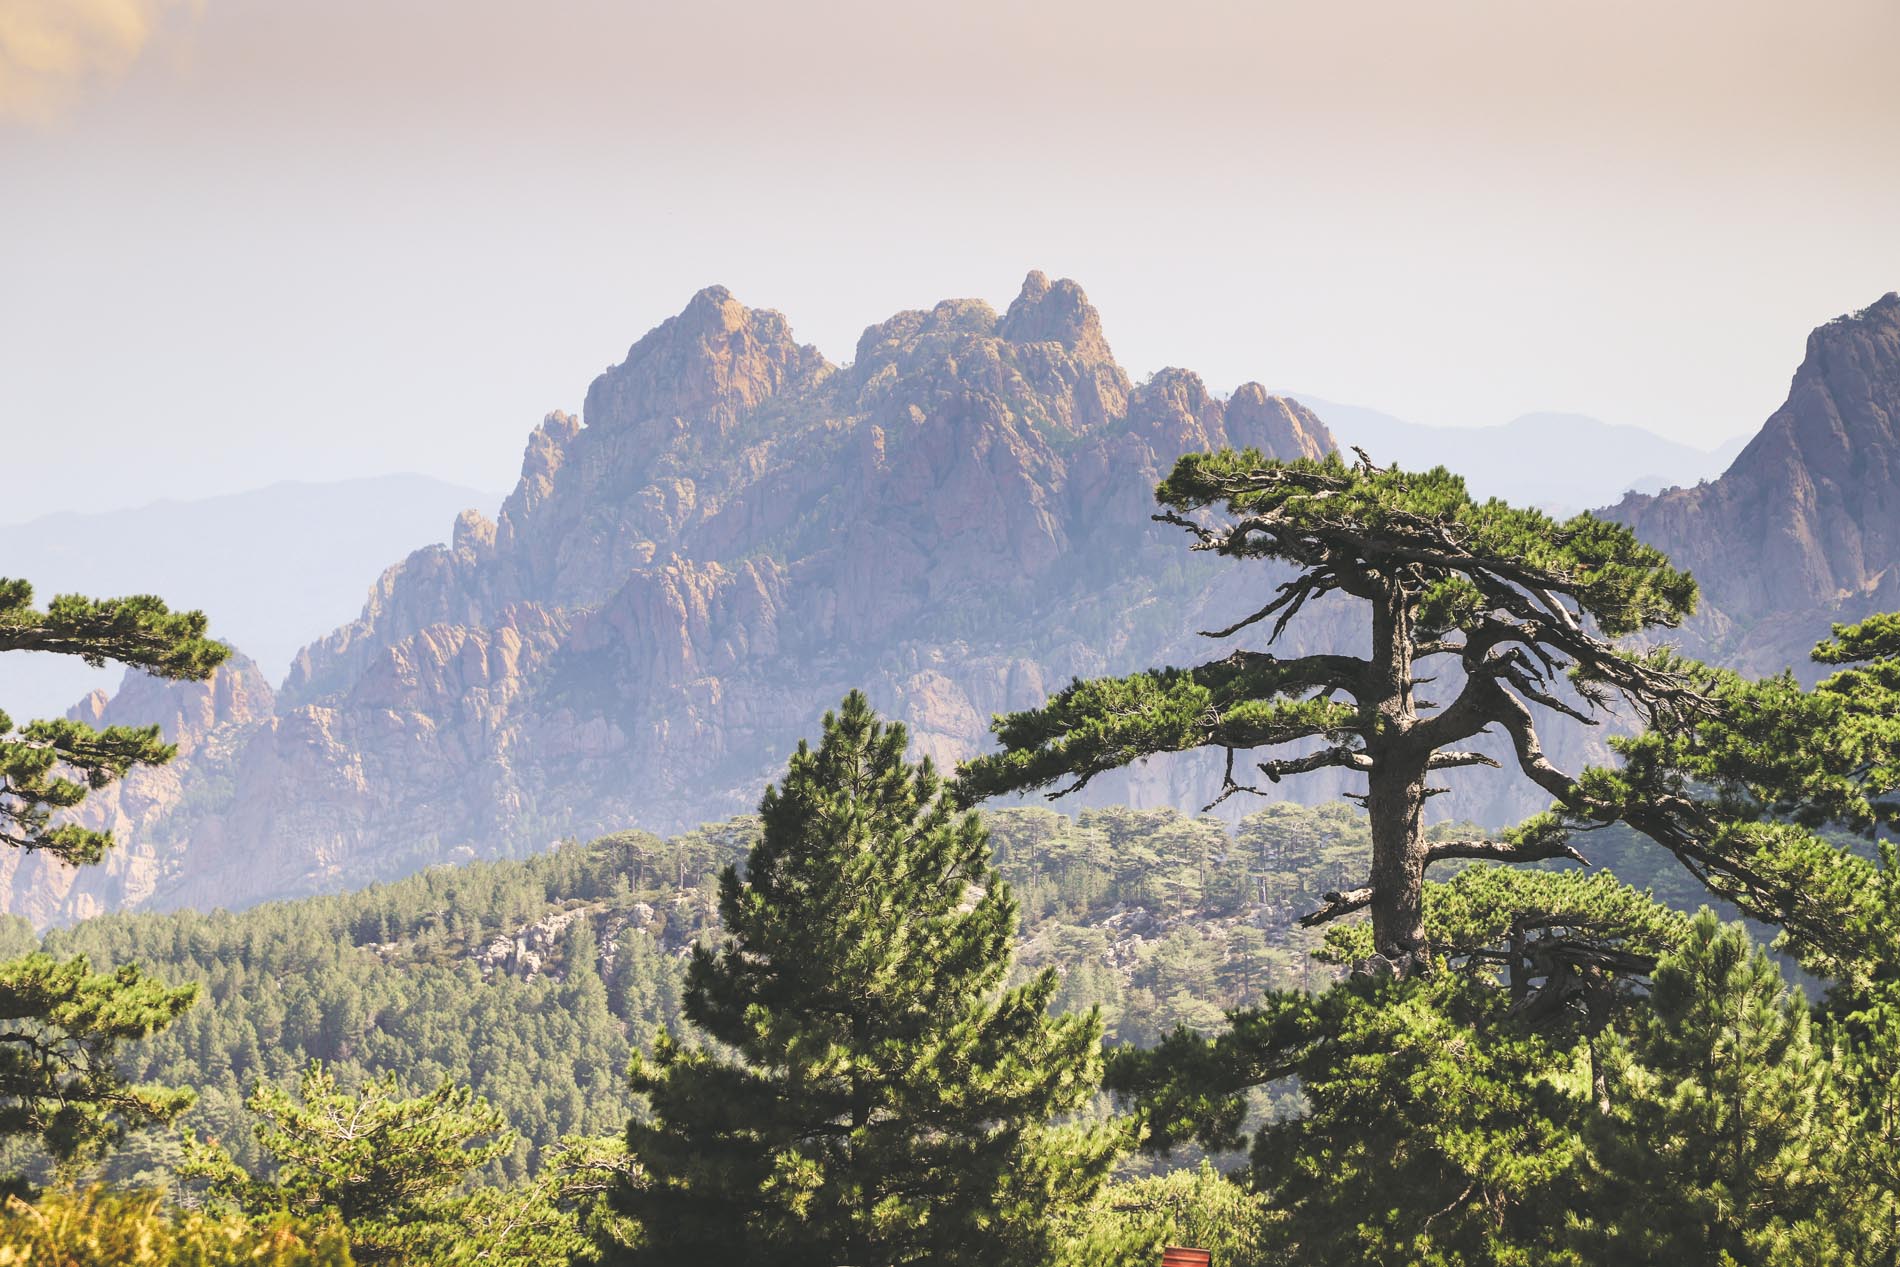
679,587
739,531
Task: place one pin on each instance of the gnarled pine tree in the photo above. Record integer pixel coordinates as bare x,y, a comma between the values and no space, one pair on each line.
1513,598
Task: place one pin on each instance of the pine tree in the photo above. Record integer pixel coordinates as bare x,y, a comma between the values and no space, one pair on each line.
1763,785
386,1165
1432,1134
1727,1141
60,1023
61,1028
877,1095
1871,1080
1441,1112
1508,600
1132,1223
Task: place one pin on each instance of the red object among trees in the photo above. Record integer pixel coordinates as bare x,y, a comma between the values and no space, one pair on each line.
1174,1257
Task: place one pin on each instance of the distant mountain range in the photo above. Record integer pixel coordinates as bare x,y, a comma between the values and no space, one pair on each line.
739,531
273,566
1559,462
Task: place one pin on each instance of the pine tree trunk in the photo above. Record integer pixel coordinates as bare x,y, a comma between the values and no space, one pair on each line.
1395,797
1395,790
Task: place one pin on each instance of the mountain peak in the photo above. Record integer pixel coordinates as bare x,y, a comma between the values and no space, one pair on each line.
1888,306
1842,393
708,364
714,310
1056,312
1878,321
710,317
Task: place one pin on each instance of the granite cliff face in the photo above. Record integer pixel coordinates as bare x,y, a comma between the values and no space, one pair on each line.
1804,528
680,585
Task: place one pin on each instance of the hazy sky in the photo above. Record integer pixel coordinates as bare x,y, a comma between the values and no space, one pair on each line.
244,240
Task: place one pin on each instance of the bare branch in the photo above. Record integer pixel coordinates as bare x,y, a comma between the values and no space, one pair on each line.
1229,787
1292,595
1501,851
1517,721
1338,904
1538,695
1332,672
1340,756
1206,535
1437,646
1448,759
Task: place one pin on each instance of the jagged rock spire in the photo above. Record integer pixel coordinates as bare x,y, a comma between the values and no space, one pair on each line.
1056,312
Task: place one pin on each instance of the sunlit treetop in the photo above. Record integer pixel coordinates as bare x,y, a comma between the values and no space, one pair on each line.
1346,521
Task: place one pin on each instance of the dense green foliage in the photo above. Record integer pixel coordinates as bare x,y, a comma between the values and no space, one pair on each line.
1587,1076
876,1093
1129,1224
392,1171
392,980
60,1076
1157,918
1442,1124
380,1162
1726,1132
61,1024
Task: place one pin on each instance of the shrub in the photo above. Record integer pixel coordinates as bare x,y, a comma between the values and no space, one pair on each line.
96,1228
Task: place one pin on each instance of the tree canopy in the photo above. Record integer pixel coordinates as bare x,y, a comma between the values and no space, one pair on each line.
1597,1077
390,1171
1520,607
62,1030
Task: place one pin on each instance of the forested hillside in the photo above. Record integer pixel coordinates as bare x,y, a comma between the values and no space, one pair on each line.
534,980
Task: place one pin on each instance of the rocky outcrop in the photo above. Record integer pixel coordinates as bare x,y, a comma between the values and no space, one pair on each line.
526,951
1058,312
1804,528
